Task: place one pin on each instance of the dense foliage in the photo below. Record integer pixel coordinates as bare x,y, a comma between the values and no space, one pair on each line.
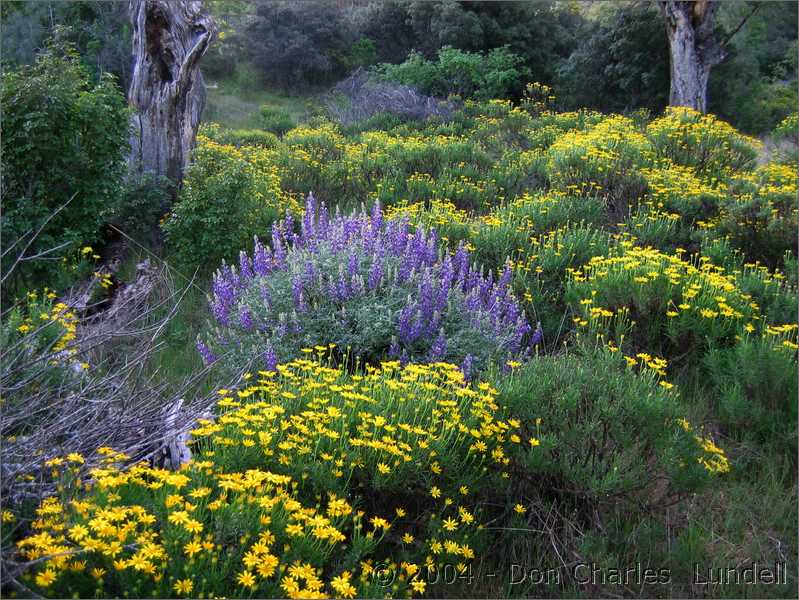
497,74
476,333
64,141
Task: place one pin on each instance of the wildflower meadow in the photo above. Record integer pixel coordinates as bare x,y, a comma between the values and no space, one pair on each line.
501,348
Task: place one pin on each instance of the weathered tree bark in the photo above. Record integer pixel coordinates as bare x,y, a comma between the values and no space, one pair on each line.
167,91
694,49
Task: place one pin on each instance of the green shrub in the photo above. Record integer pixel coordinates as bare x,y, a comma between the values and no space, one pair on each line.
495,74
759,215
661,303
36,336
248,137
143,200
753,386
276,120
608,432
229,195
63,137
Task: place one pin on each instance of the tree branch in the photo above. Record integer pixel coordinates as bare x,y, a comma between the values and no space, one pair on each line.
726,40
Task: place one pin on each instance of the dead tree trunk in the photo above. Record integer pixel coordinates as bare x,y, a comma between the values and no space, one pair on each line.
167,91
694,50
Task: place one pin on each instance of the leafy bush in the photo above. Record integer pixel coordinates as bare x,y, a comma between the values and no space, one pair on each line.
229,194
366,286
245,137
754,386
276,120
63,138
143,199
496,74
607,431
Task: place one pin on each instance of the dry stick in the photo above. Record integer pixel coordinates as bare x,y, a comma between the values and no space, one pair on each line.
35,235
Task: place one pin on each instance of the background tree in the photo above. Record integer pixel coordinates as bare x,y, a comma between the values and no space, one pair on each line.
167,90
99,31
621,61
297,45
694,48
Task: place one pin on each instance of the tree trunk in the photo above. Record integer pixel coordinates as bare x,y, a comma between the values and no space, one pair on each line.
694,50
167,91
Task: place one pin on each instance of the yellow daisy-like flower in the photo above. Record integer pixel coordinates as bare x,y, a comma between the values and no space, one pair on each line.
183,586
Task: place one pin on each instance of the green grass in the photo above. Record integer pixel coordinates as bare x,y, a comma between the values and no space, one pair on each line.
236,105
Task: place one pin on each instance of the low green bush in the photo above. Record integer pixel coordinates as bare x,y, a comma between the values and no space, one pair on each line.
608,432
276,120
496,74
753,388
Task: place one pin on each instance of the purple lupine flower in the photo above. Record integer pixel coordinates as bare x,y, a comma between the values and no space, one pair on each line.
270,358
439,347
296,289
261,259
352,265
538,335
404,323
308,220
205,352
467,366
375,272
245,318
397,258
324,220
245,266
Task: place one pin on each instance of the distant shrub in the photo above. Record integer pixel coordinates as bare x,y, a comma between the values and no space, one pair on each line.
229,194
496,74
276,120
63,137
361,99
786,133
604,159
369,288
713,147
247,137
759,214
